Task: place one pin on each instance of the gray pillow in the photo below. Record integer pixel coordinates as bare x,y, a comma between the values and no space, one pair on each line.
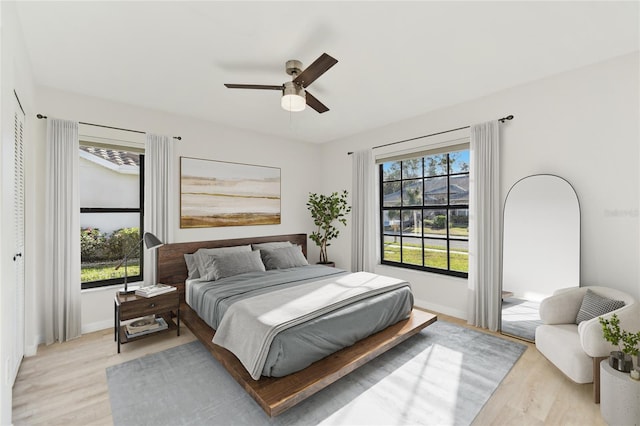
594,305
282,258
202,255
271,246
192,266
234,263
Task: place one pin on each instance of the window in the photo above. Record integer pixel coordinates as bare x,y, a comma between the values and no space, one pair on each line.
424,212
111,214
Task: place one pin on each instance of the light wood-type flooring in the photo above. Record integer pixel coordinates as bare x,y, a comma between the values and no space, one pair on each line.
66,384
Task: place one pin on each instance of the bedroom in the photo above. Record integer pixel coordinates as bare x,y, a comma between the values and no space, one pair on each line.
569,118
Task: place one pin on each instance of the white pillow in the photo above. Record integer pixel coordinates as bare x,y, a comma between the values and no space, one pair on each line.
202,255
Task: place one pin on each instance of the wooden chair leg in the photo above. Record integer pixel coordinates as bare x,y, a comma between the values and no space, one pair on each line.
596,378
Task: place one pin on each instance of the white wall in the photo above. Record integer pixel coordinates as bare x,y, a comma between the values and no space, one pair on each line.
98,185
15,75
200,139
581,125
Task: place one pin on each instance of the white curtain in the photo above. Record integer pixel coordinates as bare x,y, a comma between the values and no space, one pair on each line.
62,308
363,232
484,227
158,194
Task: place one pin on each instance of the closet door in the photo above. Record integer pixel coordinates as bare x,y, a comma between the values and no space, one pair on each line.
18,226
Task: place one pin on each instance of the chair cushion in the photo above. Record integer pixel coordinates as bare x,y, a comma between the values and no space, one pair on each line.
562,307
560,344
594,305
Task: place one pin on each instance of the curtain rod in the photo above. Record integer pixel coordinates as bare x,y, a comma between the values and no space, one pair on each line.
40,116
502,120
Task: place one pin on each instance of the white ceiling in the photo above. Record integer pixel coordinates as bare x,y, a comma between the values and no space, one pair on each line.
396,59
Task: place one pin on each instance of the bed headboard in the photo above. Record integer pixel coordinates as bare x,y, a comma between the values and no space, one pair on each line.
171,266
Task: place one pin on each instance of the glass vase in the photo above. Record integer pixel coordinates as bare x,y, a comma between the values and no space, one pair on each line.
620,361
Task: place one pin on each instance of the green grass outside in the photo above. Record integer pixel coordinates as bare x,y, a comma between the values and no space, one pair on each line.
434,257
93,272
459,232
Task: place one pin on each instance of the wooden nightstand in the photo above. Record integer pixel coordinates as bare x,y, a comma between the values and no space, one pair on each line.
129,306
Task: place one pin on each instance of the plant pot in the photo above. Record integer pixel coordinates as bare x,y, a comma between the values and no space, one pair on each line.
620,361
635,370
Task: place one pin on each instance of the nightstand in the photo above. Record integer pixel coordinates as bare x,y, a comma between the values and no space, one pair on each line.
619,396
129,306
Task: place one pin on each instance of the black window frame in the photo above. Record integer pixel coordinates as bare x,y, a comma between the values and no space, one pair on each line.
448,207
140,210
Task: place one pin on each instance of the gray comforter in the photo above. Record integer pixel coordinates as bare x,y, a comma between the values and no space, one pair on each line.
300,344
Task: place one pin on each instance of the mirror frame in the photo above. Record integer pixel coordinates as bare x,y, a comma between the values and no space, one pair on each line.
579,242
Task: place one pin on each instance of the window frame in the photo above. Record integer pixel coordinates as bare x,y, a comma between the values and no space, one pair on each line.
140,210
448,208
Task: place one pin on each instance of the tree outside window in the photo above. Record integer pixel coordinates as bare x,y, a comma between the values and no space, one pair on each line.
424,212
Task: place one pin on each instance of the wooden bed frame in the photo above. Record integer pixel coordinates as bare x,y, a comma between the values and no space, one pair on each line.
277,394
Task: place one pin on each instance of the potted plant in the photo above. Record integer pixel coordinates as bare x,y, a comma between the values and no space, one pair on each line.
325,211
627,343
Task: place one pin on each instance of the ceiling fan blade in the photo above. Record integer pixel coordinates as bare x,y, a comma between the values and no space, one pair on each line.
315,103
253,86
315,70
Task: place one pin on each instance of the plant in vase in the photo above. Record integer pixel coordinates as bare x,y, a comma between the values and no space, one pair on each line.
325,210
626,342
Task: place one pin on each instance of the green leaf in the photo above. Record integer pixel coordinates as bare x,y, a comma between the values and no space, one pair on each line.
325,210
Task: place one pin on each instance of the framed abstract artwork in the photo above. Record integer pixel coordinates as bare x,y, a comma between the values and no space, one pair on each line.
218,193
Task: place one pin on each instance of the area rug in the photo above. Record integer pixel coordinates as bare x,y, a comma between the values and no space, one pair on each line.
441,376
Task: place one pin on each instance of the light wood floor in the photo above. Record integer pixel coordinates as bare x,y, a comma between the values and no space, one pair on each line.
66,384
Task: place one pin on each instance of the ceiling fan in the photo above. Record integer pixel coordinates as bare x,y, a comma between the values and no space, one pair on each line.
294,95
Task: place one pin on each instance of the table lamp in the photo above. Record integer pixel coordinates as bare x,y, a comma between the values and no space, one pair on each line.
151,242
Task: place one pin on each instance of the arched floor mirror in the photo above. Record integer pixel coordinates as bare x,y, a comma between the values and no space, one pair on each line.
541,249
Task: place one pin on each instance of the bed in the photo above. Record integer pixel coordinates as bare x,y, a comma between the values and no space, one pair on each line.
284,364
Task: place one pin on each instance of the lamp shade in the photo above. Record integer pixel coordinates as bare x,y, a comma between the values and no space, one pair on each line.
151,241
293,97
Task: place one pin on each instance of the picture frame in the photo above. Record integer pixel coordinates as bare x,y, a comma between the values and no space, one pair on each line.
219,193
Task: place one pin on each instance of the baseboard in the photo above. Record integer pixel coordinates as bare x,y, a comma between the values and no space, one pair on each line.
32,349
447,310
97,326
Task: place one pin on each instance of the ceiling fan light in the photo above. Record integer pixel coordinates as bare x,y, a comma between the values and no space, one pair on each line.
293,103
293,98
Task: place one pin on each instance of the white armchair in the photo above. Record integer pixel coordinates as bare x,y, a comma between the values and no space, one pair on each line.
578,349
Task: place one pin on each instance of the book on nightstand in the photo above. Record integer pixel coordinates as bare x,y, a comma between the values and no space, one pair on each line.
154,290
145,325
